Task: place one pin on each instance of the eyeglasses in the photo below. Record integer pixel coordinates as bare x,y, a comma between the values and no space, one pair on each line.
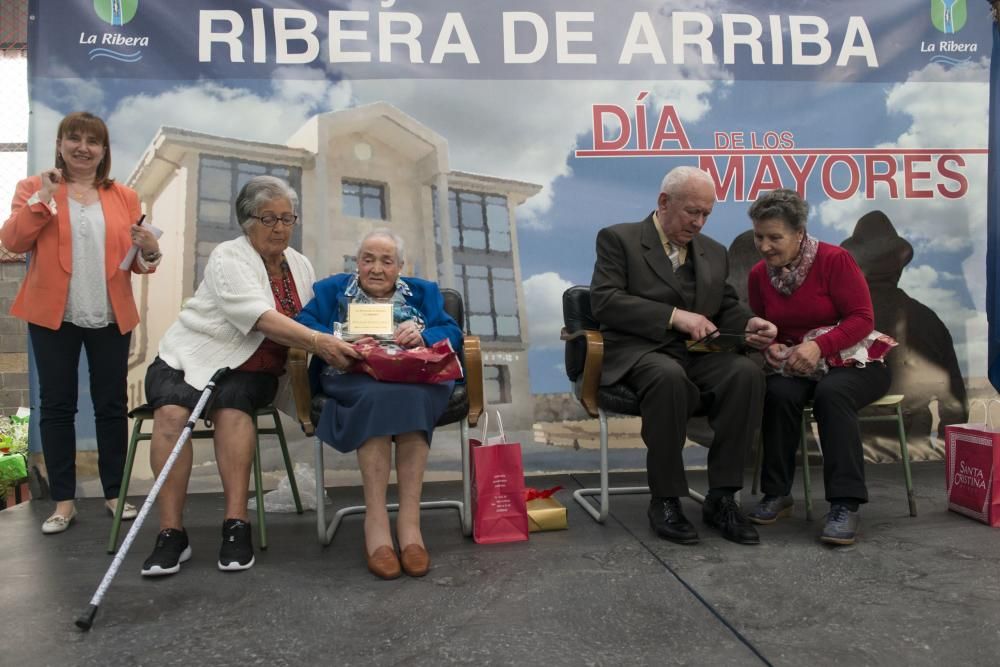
271,220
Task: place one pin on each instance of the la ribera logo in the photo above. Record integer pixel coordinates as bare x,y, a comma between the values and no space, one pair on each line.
116,12
949,16
124,47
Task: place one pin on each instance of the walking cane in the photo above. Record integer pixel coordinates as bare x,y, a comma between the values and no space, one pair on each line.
86,620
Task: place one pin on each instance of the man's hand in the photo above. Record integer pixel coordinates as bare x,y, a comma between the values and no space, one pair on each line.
335,352
696,326
760,333
803,358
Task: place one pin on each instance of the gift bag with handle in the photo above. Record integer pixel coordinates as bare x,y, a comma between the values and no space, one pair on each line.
972,455
499,510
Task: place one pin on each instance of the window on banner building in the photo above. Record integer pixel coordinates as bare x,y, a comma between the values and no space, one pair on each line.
483,262
364,200
496,384
219,181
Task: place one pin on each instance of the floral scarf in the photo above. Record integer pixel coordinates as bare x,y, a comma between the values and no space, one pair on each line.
786,279
401,311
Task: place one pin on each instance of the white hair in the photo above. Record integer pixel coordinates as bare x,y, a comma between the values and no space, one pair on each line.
384,232
677,177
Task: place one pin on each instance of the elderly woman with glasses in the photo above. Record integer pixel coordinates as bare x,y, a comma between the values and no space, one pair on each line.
239,318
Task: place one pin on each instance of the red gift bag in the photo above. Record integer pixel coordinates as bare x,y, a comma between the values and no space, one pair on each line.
972,453
499,510
421,365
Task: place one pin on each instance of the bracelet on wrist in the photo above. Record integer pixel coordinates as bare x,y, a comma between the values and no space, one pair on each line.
312,342
152,256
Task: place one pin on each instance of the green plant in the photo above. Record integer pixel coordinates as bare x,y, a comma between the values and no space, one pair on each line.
13,440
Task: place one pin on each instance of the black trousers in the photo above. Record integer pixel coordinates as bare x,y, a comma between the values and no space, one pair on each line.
727,387
836,398
57,356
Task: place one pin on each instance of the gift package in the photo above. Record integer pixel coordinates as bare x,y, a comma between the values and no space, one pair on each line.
499,512
421,365
972,457
544,511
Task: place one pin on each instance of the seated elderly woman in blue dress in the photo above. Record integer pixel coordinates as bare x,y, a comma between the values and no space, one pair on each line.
367,416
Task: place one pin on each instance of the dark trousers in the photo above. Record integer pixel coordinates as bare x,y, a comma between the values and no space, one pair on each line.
836,398
728,388
57,356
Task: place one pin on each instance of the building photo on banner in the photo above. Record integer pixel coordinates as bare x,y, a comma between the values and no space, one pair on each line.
498,141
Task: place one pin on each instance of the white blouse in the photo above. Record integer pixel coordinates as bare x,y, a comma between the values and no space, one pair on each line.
87,305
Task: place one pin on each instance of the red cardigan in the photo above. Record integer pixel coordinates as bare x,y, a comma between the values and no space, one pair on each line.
834,292
42,297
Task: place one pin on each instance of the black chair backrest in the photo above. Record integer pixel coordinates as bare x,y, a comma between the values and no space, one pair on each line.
453,306
576,317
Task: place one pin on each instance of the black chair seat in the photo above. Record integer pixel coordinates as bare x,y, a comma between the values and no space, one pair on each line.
617,398
458,406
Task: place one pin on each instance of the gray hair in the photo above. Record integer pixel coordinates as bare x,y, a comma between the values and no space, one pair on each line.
258,191
678,176
783,204
384,232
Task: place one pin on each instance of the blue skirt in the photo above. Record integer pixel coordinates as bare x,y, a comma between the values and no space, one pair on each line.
360,407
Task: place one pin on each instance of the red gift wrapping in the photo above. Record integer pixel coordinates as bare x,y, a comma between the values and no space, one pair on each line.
421,365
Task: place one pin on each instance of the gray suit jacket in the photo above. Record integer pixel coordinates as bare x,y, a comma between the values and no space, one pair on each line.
634,291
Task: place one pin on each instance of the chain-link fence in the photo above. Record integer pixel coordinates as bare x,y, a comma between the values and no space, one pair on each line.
14,110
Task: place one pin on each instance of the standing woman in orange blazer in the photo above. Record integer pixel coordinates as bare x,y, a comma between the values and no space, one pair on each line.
78,225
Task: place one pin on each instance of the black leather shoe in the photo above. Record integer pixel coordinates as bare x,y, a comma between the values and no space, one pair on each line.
724,513
669,522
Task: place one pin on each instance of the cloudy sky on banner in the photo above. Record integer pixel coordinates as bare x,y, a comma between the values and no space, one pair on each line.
529,130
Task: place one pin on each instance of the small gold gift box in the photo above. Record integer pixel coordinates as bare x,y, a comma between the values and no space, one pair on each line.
546,514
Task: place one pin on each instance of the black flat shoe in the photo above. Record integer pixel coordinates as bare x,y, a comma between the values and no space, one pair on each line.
668,521
725,514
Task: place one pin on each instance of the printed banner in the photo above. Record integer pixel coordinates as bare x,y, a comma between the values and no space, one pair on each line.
498,138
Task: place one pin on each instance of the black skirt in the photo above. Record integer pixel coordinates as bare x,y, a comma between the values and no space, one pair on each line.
246,391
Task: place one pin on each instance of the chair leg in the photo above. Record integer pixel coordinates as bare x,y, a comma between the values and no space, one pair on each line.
758,462
116,523
280,432
904,452
806,479
258,485
320,495
466,478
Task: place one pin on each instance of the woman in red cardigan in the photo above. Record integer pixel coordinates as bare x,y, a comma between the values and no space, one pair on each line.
78,225
802,285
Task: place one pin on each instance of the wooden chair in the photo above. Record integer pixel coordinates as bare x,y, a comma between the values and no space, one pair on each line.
893,401
144,413
464,406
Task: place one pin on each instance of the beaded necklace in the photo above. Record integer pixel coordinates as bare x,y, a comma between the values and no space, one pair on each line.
283,294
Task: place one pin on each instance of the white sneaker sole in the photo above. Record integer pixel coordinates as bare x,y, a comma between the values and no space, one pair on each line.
157,571
234,566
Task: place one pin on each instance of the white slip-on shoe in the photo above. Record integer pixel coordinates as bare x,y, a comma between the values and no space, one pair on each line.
57,523
129,511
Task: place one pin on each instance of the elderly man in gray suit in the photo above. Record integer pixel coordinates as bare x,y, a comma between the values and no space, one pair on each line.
658,284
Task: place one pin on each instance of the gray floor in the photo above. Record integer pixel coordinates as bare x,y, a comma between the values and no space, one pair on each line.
917,591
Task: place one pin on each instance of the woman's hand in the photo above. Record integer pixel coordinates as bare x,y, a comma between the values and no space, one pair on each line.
51,179
336,352
145,239
408,335
803,358
760,333
776,354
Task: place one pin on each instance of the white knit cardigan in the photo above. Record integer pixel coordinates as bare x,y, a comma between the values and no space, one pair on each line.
215,327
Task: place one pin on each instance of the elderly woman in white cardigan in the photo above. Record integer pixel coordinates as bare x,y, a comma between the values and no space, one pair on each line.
241,318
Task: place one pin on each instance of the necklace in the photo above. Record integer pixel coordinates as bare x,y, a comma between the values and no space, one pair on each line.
80,195
282,290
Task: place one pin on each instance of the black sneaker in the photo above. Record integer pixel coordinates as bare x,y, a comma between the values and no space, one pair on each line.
236,552
171,550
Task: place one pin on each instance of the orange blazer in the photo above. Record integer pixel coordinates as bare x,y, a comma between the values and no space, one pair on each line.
42,297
